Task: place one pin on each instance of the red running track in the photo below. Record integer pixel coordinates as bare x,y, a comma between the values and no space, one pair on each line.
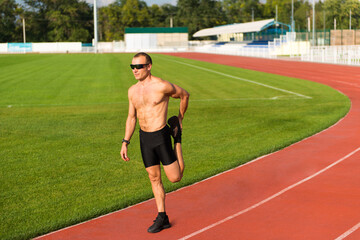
309,190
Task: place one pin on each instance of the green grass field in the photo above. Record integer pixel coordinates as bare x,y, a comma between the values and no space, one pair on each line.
62,118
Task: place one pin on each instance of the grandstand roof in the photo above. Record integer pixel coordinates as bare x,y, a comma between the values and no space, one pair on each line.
256,26
156,30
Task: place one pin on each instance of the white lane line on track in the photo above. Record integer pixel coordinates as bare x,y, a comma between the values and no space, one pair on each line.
243,79
269,198
186,187
347,83
348,232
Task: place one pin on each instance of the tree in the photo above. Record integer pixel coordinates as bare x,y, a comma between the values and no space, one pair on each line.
8,17
334,10
340,10
59,20
301,14
354,5
169,11
110,26
36,22
160,15
70,22
135,14
121,14
199,14
240,11
157,16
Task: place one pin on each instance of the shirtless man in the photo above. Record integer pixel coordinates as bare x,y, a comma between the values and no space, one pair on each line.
148,102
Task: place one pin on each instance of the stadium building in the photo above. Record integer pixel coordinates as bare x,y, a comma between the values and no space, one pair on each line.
156,38
257,32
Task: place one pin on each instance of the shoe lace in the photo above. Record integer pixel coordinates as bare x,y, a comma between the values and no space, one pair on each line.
158,218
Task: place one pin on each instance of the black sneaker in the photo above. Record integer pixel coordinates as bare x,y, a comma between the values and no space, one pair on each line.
175,128
159,224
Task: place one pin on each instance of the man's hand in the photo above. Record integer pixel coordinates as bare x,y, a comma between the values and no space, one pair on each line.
123,152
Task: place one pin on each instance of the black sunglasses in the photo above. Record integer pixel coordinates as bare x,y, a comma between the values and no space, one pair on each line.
138,66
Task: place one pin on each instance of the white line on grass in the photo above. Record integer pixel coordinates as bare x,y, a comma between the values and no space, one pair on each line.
242,79
197,100
60,104
348,232
114,103
270,198
245,99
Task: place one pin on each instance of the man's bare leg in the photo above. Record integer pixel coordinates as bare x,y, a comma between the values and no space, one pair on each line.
175,128
173,172
162,221
157,186
179,157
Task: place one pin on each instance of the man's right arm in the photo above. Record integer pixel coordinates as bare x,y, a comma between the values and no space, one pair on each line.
129,129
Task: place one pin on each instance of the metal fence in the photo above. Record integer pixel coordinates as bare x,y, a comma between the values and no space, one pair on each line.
330,37
345,37
321,38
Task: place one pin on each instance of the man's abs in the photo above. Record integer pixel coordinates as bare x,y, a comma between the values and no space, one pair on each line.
151,121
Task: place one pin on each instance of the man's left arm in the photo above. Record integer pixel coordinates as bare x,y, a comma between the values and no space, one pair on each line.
181,93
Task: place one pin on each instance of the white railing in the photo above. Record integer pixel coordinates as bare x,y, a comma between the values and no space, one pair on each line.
349,55
284,46
236,49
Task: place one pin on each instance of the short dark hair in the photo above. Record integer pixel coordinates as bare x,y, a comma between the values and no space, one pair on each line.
148,58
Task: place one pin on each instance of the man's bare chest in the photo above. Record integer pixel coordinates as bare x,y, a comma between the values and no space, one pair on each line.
148,98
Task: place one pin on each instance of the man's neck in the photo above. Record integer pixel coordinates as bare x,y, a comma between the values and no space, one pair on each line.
145,80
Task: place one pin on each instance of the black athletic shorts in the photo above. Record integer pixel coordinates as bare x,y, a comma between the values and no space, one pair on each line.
156,147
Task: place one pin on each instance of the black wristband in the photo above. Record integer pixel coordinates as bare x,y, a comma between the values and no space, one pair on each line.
126,141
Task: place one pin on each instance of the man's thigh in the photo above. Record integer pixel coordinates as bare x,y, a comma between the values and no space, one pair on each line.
173,171
154,172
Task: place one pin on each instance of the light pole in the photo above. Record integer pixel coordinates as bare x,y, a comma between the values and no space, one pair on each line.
252,19
276,20
313,38
24,33
95,27
292,16
350,20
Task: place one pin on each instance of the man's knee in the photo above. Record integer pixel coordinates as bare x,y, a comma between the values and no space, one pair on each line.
175,178
154,178
154,174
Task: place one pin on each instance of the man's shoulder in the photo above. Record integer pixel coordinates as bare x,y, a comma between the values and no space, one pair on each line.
164,86
157,79
132,88
161,82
